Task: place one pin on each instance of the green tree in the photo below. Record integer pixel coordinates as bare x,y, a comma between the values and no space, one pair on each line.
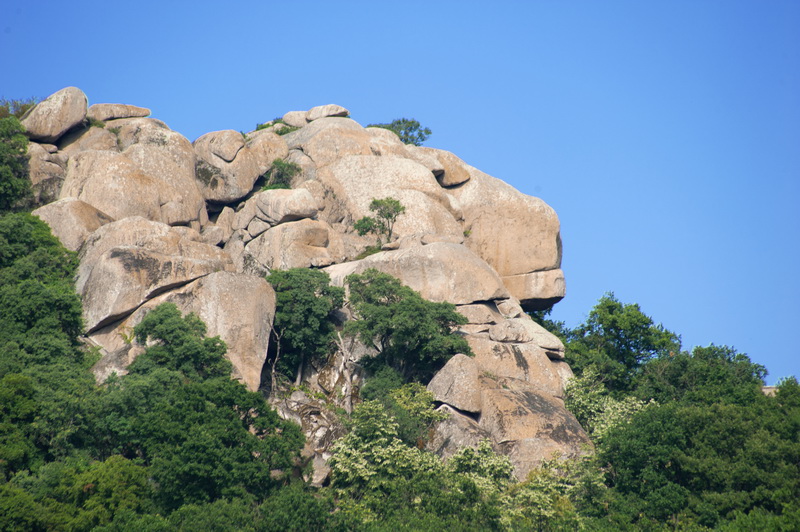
15,185
303,328
16,108
617,339
412,335
280,175
409,130
386,212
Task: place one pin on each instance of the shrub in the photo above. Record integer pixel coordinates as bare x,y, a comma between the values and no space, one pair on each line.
408,129
281,174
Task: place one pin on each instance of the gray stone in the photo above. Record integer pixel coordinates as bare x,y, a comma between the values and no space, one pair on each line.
110,111
457,384
56,115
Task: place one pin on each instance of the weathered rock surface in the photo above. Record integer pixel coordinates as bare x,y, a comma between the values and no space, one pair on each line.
127,262
439,272
237,308
47,172
228,167
300,244
457,384
110,111
355,180
56,115
296,118
280,206
324,111
72,221
537,290
454,170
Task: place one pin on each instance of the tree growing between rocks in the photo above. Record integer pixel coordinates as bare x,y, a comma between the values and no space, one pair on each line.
413,336
302,328
386,212
409,130
15,186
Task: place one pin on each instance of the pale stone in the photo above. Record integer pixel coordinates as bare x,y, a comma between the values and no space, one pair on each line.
92,138
238,308
427,158
457,384
280,206
112,183
126,262
225,222
355,180
525,362
439,272
537,290
72,221
46,174
131,131
296,118
480,313
455,171
301,244
385,142
56,115
256,227
110,111
213,234
325,111
513,232
509,308
455,433
225,181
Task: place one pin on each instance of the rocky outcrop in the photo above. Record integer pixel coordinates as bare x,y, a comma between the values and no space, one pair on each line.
56,115
135,203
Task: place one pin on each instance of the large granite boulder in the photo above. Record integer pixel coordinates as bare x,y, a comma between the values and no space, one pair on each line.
113,183
439,272
111,111
458,384
72,221
355,180
228,166
301,244
47,171
56,115
237,308
129,261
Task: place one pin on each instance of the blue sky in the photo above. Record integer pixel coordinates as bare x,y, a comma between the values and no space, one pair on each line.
665,134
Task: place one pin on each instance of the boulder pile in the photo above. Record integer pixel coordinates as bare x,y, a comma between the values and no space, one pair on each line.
155,218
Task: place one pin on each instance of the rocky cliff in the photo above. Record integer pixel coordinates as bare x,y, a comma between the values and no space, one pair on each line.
157,218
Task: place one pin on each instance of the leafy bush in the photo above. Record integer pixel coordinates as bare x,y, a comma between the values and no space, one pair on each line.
408,129
15,185
280,175
16,108
412,335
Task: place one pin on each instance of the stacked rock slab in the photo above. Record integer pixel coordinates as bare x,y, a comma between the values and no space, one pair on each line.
156,218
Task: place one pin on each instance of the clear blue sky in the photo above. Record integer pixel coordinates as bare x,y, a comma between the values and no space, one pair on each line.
665,134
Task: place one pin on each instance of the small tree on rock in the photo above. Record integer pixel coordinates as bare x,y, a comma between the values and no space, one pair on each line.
409,130
386,212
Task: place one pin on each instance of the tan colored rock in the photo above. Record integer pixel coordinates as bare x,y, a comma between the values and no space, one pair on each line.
427,158
455,171
56,115
131,131
513,232
126,262
225,222
325,111
72,221
126,276
457,384
224,181
171,161
439,272
509,308
111,111
256,227
480,313
46,173
112,183
537,290
355,180
329,139
301,244
280,206
238,308
526,362
296,118
385,142
90,138
455,433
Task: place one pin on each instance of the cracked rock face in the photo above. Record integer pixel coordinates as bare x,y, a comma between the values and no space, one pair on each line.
157,219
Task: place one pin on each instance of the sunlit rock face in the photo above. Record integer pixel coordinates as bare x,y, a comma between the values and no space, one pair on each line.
156,218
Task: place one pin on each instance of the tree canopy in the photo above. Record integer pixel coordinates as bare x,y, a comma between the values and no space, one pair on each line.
409,130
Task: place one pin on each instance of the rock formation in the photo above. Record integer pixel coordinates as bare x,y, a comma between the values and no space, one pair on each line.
157,218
